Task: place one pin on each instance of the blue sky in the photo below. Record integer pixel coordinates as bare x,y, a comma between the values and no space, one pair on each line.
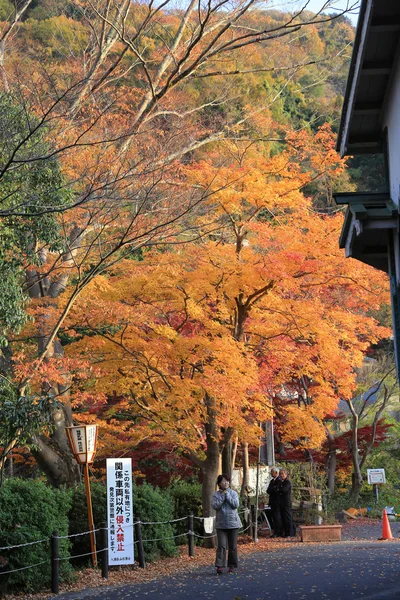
316,5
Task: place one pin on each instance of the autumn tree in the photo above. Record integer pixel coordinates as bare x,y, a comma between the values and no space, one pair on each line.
34,188
377,384
120,106
199,342
21,419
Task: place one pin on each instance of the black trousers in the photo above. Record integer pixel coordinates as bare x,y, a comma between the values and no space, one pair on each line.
276,519
287,521
227,538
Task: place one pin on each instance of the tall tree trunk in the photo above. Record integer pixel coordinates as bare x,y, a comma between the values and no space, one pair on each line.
5,34
211,465
210,471
10,463
356,485
246,467
331,462
357,479
52,453
234,452
227,466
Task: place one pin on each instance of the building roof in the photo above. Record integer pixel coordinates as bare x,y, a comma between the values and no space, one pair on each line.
376,47
368,221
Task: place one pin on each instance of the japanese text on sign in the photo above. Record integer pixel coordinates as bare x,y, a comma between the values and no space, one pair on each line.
376,476
120,516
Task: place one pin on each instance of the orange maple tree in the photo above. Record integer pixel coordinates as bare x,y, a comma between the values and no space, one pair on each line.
124,112
203,342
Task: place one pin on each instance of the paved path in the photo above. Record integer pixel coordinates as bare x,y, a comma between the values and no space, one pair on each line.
347,571
366,529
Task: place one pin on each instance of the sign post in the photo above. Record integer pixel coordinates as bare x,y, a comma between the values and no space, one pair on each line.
120,511
83,441
376,477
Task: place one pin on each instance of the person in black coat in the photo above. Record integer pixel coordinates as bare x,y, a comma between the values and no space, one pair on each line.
285,504
274,504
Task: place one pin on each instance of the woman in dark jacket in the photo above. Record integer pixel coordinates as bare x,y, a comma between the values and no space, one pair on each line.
285,503
225,502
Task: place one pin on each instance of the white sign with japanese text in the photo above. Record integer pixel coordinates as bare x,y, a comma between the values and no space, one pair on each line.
120,511
376,476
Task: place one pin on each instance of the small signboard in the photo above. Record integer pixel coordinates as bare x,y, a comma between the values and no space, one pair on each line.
376,476
120,511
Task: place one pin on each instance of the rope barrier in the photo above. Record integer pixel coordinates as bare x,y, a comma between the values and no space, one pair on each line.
162,522
72,535
240,512
139,523
204,537
80,555
166,538
65,537
23,568
27,544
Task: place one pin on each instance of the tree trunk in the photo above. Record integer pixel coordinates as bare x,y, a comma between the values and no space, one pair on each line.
210,474
280,447
331,462
357,479
10,463
246,468
227,454
356,485
52,453
211,465
234,452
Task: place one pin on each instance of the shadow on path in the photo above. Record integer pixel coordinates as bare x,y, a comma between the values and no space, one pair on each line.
348,571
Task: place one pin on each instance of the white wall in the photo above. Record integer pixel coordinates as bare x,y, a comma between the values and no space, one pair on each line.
391,120
264,479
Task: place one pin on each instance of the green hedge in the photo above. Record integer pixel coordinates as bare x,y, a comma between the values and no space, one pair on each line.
153,504
150,504
186,497
31,510
78,520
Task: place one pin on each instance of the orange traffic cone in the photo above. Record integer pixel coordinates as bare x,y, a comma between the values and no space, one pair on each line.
386,531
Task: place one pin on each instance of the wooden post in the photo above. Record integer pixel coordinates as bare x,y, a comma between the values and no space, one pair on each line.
253,520
90,515
257,498
190,535
376,492
138,535
55,563
104,554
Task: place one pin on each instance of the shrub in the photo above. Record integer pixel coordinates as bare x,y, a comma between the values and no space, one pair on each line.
78,519
186,497
29,511
150,504
388,496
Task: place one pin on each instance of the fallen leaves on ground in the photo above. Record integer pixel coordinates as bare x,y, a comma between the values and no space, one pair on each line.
166,567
